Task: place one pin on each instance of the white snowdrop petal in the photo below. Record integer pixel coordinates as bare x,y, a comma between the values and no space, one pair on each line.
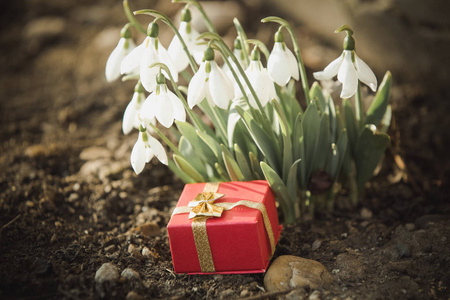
177,54
197,87
138,155
132,61
293,64
331,70
348,76
178,108
130,114
164,57
220,86
147,111
158,150
148,154
163,107
149,57
365,74
112,69
278,66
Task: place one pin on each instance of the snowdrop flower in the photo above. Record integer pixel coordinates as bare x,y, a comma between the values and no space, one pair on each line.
282,64
260,81
125,46
163,105
189,35
146,54
130,117
349,68
239,53
145,149
210,82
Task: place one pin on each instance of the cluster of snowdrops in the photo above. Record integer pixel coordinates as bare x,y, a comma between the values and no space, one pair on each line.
259,130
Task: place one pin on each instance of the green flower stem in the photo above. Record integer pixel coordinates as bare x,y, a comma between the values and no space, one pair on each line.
202,12
166,140
358,107
220,122
243,37
131,18
301,65
169,23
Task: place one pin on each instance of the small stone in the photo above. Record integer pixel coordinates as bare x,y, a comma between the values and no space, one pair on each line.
314,296
297,294
244,293
106,273
133,296
290,271
130,274
316,244
93,153
148,229
228,293
110,249
218,277
366,213
410,226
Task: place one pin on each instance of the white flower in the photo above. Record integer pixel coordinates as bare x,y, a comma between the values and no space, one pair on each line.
212,83
282,64
349,68
143,151
112,70
146,54
261,83
176,51
163,105
130,116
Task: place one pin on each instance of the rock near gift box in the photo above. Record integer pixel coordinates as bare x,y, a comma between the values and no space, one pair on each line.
241,240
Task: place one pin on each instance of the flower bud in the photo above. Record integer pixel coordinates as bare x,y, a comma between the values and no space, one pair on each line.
279,37
125,32
255,54
160,79
237,44
209,54
186,15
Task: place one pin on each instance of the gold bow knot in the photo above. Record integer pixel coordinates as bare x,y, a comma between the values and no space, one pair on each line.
202,205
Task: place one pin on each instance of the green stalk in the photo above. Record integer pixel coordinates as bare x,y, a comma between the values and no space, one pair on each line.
358,107
243,37
131,18
202,12
166,140
169,23
301,65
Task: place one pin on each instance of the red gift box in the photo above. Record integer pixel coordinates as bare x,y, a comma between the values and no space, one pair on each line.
240,240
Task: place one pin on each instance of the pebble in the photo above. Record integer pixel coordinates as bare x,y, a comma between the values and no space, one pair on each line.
297,294
410,226
130,274
316,244
290,271
106,273
110,249
228,293
244,293
133,296
314,296
93,153
366,213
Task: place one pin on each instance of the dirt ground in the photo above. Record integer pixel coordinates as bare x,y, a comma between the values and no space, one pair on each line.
69,200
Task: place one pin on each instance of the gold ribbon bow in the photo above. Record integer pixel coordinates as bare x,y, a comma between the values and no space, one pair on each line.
203,203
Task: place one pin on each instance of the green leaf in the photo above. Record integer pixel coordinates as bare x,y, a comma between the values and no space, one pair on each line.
291,182
254,164
264,142
191,155
243,163
333,120
386,122
342,148
280,189
231,165
212,144
351,125
190,133
311,132
323,145
369,152
222,173
316,93
379,105
187,168
179,173
287,143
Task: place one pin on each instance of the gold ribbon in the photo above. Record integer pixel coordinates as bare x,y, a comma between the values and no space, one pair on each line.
199,222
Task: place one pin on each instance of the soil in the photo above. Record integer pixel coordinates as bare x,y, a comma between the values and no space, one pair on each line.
69,200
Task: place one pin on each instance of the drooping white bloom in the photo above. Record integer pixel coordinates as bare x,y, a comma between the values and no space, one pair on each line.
146,54
282,64
260,81
176,51
212,83
123,48
130,116
162,105
145,148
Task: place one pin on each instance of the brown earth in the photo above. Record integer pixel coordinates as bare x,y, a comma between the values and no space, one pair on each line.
70,202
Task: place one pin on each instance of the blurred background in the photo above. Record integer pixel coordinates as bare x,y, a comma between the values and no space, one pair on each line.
64,162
